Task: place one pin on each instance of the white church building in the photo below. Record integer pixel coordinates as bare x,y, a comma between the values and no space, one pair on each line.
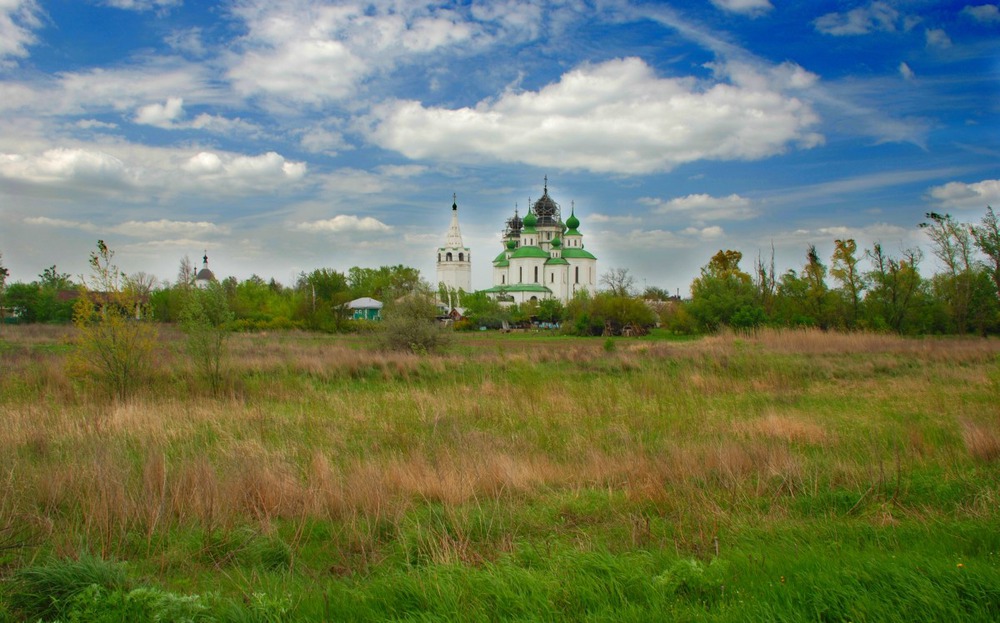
543,257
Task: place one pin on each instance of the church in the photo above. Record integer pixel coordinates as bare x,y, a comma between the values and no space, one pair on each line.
543,257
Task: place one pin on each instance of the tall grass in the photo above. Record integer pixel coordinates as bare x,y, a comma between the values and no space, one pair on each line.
323,458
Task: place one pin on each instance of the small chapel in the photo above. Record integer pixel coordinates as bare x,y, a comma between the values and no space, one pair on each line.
543,257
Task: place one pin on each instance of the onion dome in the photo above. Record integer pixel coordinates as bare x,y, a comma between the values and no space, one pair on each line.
572,222
556,243
530,220
511,244
546,210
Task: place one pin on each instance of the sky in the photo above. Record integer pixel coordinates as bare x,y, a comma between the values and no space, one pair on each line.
282,137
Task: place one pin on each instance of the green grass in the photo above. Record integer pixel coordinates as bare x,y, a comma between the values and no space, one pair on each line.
789,477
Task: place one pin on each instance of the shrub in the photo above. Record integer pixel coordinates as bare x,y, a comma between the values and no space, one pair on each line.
410,324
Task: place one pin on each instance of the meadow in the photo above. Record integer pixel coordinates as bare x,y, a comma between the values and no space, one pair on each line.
783,475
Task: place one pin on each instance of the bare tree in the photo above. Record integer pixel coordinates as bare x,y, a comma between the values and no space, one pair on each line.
619,282
141,284
186,272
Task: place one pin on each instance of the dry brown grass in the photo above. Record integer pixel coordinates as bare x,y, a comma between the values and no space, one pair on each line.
784,428
982,440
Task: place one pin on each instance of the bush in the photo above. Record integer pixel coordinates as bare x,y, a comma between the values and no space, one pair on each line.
410,324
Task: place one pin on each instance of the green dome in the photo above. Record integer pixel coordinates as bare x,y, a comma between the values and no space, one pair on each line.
530,220
512,244
556,243
572,222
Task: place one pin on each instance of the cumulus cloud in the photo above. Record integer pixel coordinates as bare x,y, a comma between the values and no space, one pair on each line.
147,172
90,124
905,71
344,223
878,16
960,195
248,171
161,115
752,8
937,38
615,117
986,13
711,232
66,166
314,54
17,19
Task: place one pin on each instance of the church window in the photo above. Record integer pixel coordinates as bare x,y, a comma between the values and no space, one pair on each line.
503,279
578,274
448,257
461,257
536,274
520,274
552,277
439,257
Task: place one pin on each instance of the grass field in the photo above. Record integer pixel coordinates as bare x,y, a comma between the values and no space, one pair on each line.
783,476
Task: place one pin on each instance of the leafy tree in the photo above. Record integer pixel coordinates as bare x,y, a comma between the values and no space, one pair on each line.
953,245
52,279
205,319
721,291
817,292
844,269
4,273
383,282
323,295
606,312
766,284
481,310
897,291
551,311
987,240
115,340
653,293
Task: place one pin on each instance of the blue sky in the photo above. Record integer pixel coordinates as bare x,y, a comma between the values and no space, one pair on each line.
288,136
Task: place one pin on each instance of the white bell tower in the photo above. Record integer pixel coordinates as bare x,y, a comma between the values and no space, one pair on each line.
454,261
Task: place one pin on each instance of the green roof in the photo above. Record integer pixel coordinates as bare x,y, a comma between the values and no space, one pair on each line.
577,254
572,232
501,257
501,263
519,287
556,260
529,252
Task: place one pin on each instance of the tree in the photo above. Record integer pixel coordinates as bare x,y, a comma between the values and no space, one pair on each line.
721,291
4,273
817,292
409,323
115,340
766,283
205,318
323,295
186,273
953,245
894,297
987,239
619,282
844,269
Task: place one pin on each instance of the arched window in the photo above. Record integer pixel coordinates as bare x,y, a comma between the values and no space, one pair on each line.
578,274
536,274
503,279
439,257
552,277
520,274
461,257
448,257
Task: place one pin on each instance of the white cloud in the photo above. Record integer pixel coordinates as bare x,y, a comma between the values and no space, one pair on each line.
90,124
712,232
187,41
138,229
66,165
937,38
906,72
703,207
959,195
319,140
141,172
17,18
344,223
248,171
161,115
752,8
143,5
312,54
625,219
613,117
985,13
878,16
